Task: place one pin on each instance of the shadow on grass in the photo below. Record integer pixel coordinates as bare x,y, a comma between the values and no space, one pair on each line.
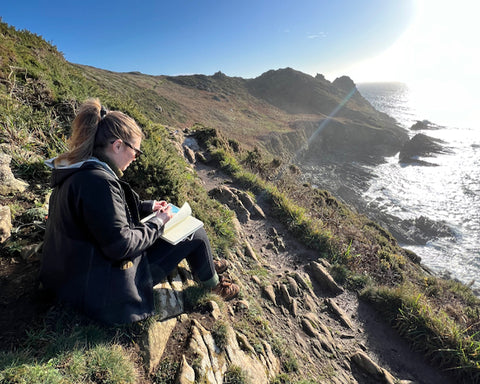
68,347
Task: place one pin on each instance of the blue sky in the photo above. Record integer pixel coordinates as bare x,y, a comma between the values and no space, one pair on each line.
240,38
432,45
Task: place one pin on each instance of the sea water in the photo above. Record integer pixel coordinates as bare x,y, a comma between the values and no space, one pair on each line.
448,192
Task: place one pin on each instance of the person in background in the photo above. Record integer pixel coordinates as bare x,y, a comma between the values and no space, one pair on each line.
97,255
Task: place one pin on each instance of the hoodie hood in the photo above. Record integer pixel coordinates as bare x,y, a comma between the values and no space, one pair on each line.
62,171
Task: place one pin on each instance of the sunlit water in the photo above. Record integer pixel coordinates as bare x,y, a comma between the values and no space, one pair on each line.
449,192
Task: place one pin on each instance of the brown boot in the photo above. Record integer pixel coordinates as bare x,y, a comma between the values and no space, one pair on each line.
226,289
221,266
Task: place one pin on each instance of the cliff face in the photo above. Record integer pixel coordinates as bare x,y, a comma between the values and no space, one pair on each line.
344,122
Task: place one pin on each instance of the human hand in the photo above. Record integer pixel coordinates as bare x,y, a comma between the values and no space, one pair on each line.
165,213
160,205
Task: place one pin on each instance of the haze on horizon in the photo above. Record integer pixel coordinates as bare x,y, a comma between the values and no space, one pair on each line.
428,44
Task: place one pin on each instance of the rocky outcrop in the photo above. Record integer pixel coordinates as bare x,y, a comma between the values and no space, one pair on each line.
368,365
419,230
212,362
238,201
418,146
210,358
422,229
340,142
322,276
5,223
350,125
8,183
423,125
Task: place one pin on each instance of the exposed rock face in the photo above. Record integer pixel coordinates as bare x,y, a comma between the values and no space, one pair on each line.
238,201
423,125
8,183
5,223
420,146
214,362
351,125
210,362
353,141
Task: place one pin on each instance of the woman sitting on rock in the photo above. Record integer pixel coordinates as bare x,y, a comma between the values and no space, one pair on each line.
97,255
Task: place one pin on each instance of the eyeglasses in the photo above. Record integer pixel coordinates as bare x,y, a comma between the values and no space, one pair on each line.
138,152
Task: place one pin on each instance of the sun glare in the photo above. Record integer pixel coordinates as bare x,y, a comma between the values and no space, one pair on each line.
437,57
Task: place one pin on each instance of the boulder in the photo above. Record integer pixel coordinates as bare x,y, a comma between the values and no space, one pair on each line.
189,154
5,223
8,183
369,366
324,278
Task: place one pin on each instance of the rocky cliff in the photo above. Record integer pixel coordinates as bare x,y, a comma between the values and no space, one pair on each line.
344,124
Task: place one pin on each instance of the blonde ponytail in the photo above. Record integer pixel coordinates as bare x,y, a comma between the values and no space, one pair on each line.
93,128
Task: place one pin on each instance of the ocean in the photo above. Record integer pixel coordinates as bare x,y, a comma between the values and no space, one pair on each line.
448,193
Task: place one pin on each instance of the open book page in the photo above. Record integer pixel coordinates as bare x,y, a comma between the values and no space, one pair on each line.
182,230
180,215
180,226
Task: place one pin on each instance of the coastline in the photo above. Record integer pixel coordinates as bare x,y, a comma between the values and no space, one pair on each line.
448,194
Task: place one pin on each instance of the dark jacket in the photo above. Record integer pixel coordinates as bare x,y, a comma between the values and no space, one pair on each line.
94,250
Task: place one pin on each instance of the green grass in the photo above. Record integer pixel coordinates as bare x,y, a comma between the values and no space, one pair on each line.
69,352
235,375
432,331
166,372
431,326
219,334
39,94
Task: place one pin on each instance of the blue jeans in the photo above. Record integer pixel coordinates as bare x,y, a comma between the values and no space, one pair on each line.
165,257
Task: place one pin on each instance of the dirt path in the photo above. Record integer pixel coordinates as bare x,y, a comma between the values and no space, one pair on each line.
370,334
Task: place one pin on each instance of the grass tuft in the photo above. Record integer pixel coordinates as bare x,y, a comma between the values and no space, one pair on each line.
235,375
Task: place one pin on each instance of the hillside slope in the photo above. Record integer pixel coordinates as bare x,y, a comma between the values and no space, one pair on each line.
202,131
283,106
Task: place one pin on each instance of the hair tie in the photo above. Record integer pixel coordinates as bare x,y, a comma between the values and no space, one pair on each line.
103,112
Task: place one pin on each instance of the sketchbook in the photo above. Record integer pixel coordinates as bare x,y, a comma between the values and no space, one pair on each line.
180,226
